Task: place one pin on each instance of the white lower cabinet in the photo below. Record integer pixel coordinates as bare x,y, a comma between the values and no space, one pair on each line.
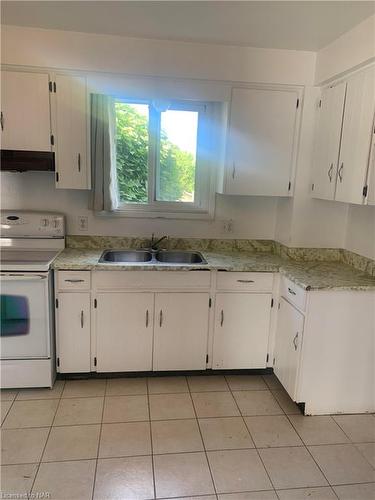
288,346
181,330
242,324
124,326
73,332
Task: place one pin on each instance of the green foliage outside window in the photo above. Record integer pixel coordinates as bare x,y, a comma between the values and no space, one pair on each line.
176,167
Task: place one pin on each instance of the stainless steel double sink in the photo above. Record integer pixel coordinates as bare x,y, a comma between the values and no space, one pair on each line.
152,257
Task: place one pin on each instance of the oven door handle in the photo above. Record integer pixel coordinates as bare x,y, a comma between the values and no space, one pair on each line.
22,277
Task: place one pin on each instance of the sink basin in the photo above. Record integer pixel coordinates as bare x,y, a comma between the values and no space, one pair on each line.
180,257
126,256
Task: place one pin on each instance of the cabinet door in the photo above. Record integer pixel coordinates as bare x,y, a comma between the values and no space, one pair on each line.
327,142
72,163
242,324
181,331
25,110
124,323
356,137
288,343
371,173
73,332
261,140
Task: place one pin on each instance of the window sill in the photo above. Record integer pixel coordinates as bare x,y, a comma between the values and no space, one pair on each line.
158,215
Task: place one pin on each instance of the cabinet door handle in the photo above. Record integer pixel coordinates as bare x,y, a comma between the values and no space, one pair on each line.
330,172
79,162
147,318
74,281
233,170
82,319
2,120
295,341
340,171
246,281
291,291
222,318
160,317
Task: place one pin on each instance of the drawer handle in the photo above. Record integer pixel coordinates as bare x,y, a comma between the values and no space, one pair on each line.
295,341
79,162
2,121
330,172
340,171
222,318
74,281
291,291
233,170
246,281
160,317
82,319
147,318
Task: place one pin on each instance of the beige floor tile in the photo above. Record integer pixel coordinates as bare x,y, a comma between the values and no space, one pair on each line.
31,414
16,479
8,394
176,436
124,479
257,403
22,446
318,430
342,464
273,430
75,442
5,406
200,497
45,393
359,428
215,404
355,491
181,475
126,386
125,440
249,495
77,411
125,409
246,382
226,433
286,403
84,388
164,385
170,406
322,493
291,468
368,451
238,470
66,480
207,383
272,381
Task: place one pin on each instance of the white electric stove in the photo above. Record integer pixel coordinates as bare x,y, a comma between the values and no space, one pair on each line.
29,243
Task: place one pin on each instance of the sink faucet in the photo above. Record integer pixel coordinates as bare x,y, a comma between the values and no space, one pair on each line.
154,245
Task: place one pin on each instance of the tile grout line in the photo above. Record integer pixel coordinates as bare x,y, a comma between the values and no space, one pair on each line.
248,430
203,443
48,435
151,441
99,440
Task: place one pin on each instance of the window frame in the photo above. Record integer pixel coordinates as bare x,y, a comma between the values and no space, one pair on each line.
204,194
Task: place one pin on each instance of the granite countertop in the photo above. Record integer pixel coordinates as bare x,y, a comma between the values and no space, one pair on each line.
310,275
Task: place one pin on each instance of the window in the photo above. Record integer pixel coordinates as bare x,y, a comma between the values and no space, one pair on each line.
161,157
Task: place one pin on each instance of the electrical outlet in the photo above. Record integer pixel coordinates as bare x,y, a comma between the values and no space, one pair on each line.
83,223
228,226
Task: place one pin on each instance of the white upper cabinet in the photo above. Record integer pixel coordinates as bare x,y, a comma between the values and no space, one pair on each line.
25,111
327,143
371,173
356,137
261,142
71,123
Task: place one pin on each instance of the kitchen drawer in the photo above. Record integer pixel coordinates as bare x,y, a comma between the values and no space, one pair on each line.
293,293
73,280
151,280
245,282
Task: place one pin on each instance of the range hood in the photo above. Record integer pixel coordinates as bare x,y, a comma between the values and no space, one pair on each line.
26,161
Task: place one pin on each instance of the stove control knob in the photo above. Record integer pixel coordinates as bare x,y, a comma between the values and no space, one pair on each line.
55,223
44,222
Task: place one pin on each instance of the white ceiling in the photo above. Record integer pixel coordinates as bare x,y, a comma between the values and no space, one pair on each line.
300,25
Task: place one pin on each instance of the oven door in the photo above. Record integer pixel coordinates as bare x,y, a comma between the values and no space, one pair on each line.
25,315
